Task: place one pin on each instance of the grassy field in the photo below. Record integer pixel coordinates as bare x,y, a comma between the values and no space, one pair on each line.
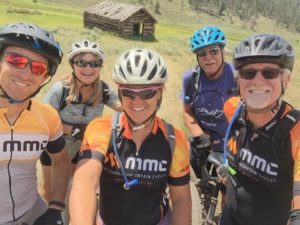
175,26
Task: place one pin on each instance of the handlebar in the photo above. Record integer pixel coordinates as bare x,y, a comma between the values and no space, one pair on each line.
216,158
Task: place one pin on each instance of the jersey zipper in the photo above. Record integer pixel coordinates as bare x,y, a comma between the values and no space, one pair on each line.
9,175
9,164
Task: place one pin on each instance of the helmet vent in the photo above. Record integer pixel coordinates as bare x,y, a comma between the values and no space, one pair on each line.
122,72
153,72
128,67
163,73
144,68
137,60
217,37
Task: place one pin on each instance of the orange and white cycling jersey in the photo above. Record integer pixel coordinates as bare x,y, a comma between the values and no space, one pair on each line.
153,165
37,128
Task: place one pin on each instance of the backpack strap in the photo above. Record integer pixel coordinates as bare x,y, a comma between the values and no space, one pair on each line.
105,92
193,86
115,121
64,95
286,124
170,136
169,130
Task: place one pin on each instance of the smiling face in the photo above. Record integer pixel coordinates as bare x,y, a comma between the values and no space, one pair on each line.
259,92
19,83
137,108
87,73
211,61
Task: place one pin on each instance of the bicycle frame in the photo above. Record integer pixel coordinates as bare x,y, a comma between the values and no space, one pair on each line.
216,159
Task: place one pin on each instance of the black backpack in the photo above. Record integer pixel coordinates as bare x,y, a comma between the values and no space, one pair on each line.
66,89
193,88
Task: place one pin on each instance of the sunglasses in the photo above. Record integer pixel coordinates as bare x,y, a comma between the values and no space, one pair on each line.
143,93
267,73
83,63
20,62
212,51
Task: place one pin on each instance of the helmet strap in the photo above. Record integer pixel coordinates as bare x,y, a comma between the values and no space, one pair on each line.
84,84
15,101
273,108
144,124
217,71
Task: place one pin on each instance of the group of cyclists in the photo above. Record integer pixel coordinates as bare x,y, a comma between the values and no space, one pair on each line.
137,162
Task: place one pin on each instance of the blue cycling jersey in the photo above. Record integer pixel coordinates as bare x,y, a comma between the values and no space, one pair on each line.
209,101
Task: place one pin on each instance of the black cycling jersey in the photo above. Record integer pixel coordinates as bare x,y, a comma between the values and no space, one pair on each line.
153,165
261,191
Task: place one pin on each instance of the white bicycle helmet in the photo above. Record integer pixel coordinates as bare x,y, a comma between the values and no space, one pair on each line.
140,66
85,46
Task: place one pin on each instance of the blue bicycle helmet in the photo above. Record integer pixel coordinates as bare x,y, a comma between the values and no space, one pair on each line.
207,36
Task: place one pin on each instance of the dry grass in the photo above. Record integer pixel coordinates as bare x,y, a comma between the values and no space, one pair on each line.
173,31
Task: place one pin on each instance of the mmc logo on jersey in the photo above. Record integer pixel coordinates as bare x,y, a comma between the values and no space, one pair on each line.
22,145
146,164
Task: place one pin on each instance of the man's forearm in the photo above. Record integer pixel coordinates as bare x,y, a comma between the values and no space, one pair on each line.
60,175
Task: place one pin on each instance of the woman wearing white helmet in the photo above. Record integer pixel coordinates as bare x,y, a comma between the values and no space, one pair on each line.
136,155
79,98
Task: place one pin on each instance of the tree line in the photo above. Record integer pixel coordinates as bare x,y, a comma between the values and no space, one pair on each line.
285,12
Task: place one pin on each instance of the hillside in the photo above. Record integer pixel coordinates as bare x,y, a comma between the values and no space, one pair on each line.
175,27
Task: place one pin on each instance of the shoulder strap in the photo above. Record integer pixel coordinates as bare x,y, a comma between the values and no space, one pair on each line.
169,129
193,85
105,92
115,127
286,124
115,120
281,138
170,136
64,95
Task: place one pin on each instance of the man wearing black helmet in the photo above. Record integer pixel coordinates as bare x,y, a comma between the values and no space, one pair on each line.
263,149
29,57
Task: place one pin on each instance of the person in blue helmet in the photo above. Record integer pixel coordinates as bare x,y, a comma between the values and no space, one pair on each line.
205,88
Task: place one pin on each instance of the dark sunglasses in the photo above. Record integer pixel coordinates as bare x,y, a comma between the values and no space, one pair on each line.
212,51
20,62
143,93
83,63
267,73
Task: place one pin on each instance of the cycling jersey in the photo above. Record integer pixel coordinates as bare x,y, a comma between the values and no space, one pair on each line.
73,114
37,128
153,165
208,104
267,172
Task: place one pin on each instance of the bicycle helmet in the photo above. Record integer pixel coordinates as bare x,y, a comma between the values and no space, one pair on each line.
85,46
264,48
31,36
140,66
206,36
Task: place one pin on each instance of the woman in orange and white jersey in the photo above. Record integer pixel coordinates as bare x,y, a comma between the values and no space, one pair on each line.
134,162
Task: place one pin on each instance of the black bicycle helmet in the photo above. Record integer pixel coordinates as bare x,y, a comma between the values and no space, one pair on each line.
264,48
31,36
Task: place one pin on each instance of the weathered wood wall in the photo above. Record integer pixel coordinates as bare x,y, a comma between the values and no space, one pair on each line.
121,27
